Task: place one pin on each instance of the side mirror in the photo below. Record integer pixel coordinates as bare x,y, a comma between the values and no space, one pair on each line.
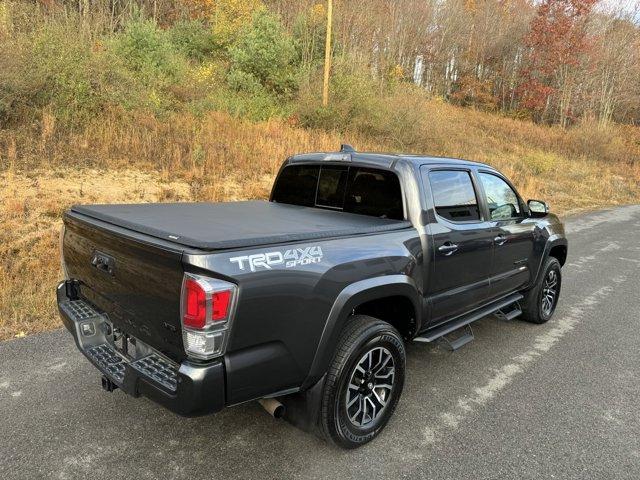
537,208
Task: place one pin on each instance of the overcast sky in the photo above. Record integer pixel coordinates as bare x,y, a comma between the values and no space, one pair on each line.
630,6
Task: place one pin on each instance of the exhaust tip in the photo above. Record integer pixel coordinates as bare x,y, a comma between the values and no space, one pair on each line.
278,412
273,407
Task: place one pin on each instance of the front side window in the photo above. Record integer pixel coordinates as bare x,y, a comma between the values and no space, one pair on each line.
454,196
502,200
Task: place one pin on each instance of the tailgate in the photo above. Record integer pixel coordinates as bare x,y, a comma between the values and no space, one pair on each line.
134,278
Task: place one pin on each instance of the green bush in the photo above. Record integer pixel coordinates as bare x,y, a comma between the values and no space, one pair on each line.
359,103
264,54
256,106
354,104
144,68
147,51
51,66
192,38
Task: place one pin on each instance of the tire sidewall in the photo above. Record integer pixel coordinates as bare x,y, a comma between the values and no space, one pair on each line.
350,435
552,264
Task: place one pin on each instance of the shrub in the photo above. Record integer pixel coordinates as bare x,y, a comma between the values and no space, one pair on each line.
258,105
49,67
147,51
144,69
230,17
264,54
354,104
192,38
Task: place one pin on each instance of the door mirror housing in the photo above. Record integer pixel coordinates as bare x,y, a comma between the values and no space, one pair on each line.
537,208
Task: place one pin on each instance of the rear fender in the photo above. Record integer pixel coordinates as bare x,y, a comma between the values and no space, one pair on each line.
348,299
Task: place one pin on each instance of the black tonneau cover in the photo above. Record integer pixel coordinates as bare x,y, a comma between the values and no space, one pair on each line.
214,226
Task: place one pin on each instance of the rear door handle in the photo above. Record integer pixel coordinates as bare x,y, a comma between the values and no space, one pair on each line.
448,248
500,240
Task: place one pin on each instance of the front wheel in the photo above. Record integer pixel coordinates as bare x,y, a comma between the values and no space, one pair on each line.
364,382
540,302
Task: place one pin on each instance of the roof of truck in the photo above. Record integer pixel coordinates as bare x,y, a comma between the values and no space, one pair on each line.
348,154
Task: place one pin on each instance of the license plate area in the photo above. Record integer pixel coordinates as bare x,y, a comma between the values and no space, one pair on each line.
111,349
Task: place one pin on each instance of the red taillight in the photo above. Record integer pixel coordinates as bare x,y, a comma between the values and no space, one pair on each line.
195,312
220,301
207,312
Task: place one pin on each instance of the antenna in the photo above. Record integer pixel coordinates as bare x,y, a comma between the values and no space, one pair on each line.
346,148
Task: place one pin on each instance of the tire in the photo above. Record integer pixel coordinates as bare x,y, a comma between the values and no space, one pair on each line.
366,346
536,309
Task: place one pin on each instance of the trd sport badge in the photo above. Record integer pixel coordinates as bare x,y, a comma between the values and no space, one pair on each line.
289,258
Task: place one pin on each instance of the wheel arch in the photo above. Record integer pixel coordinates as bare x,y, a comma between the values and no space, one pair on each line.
364,297
559,251
556,246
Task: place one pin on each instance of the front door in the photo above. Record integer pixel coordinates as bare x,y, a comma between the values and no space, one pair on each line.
513,235
462,243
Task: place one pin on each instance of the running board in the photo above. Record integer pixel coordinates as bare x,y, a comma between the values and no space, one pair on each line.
465,337
442,330
509,313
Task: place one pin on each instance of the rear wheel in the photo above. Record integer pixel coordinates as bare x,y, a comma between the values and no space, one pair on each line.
540,302
364,382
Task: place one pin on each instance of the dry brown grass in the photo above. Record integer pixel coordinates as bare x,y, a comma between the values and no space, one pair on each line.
141,159
31,205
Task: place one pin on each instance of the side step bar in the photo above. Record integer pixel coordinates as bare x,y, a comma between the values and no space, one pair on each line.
442,330
466,336
509,313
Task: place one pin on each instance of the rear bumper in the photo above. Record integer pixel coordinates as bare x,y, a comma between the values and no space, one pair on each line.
188,389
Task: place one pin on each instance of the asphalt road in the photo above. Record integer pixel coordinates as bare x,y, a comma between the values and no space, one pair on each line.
522,401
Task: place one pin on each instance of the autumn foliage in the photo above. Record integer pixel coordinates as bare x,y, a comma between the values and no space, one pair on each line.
557,43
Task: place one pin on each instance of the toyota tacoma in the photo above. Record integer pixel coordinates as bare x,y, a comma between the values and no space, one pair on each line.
305,302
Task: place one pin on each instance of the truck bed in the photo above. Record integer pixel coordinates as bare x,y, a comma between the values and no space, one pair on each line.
217,226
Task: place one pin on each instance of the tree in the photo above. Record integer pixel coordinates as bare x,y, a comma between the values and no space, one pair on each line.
556,46
263,56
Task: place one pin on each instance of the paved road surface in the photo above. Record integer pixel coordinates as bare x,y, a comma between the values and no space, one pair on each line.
560,400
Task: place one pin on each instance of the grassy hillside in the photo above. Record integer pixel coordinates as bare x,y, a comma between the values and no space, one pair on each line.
218,157
90,113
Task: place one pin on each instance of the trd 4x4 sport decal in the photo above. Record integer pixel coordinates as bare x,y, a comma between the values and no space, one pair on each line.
289,258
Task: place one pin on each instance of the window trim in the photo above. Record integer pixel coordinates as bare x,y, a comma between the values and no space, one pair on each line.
481,212
523,211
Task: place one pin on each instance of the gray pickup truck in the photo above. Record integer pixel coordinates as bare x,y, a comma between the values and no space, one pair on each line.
305,302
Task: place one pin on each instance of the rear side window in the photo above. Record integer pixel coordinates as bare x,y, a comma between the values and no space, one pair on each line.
364,191
454,196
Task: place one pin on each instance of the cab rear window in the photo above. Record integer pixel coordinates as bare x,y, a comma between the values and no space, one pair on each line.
360,190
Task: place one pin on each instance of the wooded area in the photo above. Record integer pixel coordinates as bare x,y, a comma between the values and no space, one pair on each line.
553,61
556,60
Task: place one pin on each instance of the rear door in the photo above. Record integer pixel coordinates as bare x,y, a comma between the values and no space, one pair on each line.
513,234
462,242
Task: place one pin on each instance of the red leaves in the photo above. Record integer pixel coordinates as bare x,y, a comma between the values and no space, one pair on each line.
557,39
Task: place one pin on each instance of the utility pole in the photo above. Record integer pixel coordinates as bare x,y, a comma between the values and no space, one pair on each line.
327,55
